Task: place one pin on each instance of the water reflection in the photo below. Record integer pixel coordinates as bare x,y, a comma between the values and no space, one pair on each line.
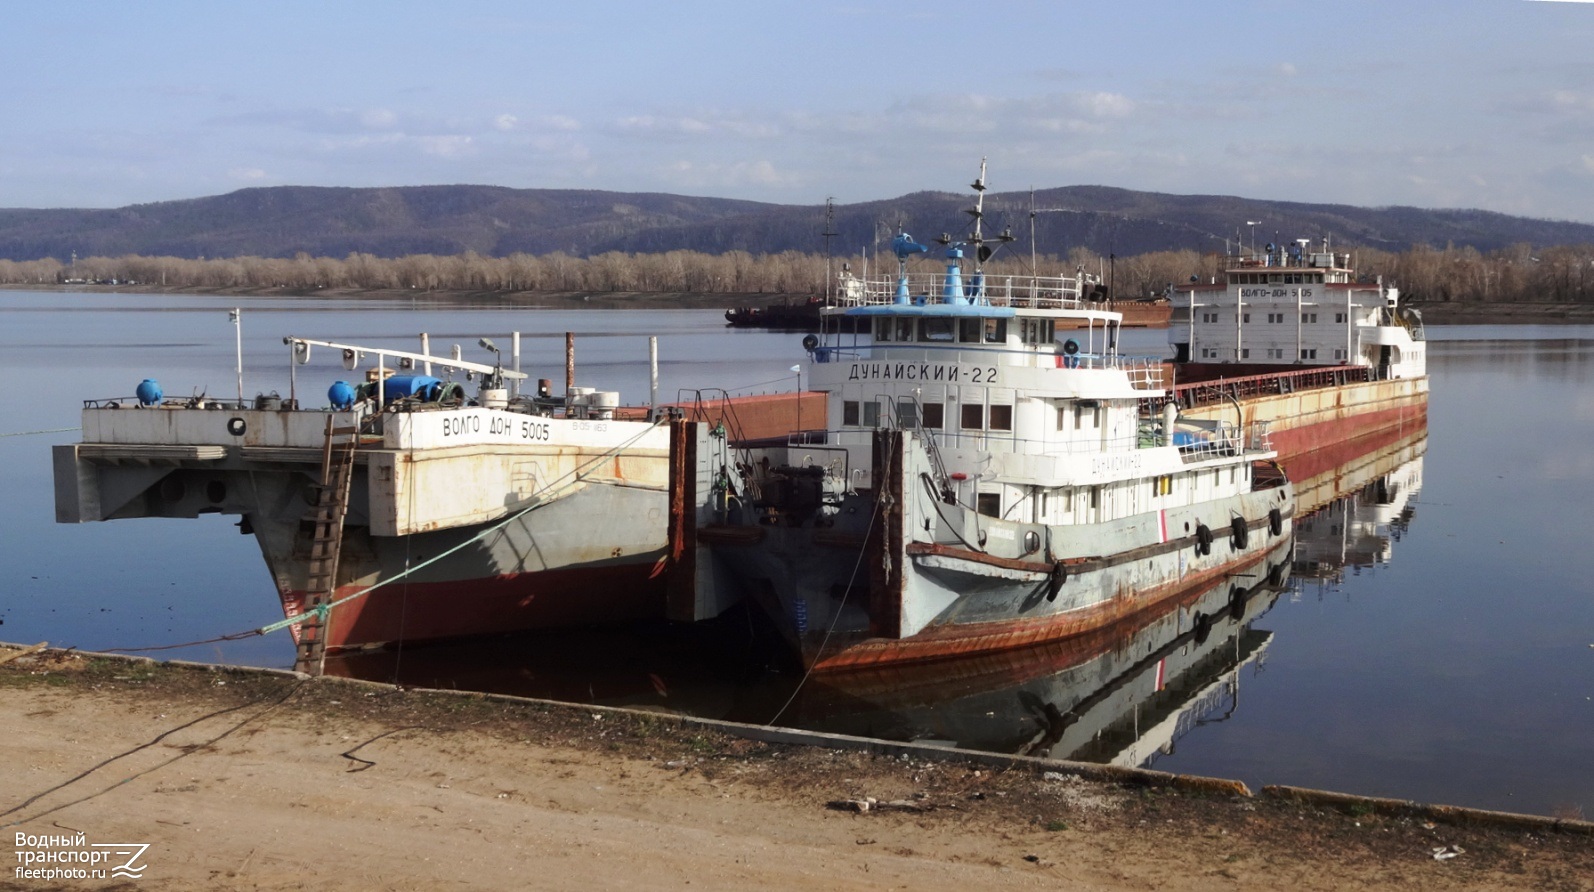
1120,695
1358,530
1125,695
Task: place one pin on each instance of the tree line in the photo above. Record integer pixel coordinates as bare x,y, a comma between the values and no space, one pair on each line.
1520,273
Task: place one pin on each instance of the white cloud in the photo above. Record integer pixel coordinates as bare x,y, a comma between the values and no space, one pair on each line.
657,124
696,174
378,118
1287,69
505,122
246,173
447,146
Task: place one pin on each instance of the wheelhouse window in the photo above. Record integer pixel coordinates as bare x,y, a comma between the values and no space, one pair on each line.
903,329
969,331
995,331
937,329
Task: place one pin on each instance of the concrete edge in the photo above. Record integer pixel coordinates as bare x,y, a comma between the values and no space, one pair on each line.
1112,774
1446,814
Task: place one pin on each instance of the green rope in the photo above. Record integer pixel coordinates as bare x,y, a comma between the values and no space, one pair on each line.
53,430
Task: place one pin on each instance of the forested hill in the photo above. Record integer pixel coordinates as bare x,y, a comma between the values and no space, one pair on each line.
390,222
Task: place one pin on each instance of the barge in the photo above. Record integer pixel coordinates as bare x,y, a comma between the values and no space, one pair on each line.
406,508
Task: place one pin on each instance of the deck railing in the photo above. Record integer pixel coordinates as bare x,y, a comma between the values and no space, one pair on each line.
1037,292
1207,393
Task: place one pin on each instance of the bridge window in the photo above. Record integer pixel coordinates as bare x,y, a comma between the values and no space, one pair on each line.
969,331
996,331
938,330
903,329
1037,331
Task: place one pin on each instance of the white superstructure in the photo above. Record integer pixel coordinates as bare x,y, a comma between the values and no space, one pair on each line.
1291,306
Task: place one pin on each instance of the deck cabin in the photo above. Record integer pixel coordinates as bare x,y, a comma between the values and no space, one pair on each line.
1027,423
1288,308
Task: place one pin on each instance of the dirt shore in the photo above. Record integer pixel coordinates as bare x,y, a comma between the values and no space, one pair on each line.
248,780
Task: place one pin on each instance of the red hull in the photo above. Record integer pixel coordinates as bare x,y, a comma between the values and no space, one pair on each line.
1314,449
515,603
962,641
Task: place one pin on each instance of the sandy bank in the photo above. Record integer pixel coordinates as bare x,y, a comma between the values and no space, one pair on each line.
248,780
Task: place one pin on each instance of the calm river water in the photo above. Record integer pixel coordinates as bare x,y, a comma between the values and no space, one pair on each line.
1436,641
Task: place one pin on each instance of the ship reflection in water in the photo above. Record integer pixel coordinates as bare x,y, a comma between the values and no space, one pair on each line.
1123,695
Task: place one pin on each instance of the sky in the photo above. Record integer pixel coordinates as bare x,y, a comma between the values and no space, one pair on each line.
1458,104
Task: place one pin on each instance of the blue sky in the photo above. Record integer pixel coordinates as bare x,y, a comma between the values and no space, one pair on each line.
1468,103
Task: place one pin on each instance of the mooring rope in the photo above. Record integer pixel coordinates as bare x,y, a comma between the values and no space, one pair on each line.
53,430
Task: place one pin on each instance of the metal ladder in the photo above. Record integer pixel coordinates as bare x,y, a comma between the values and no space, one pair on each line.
332,505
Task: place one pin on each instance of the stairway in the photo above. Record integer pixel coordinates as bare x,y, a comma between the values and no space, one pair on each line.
332,505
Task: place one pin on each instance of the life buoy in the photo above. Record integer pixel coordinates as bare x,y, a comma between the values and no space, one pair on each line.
1203,539
810,342
1239,533
236,426
1275,521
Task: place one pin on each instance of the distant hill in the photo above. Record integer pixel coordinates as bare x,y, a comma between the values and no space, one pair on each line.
389,222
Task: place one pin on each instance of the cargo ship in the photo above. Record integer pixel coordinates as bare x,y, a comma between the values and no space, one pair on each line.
1289,337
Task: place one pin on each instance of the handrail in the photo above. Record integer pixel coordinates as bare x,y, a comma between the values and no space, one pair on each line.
1042,292
1207,393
